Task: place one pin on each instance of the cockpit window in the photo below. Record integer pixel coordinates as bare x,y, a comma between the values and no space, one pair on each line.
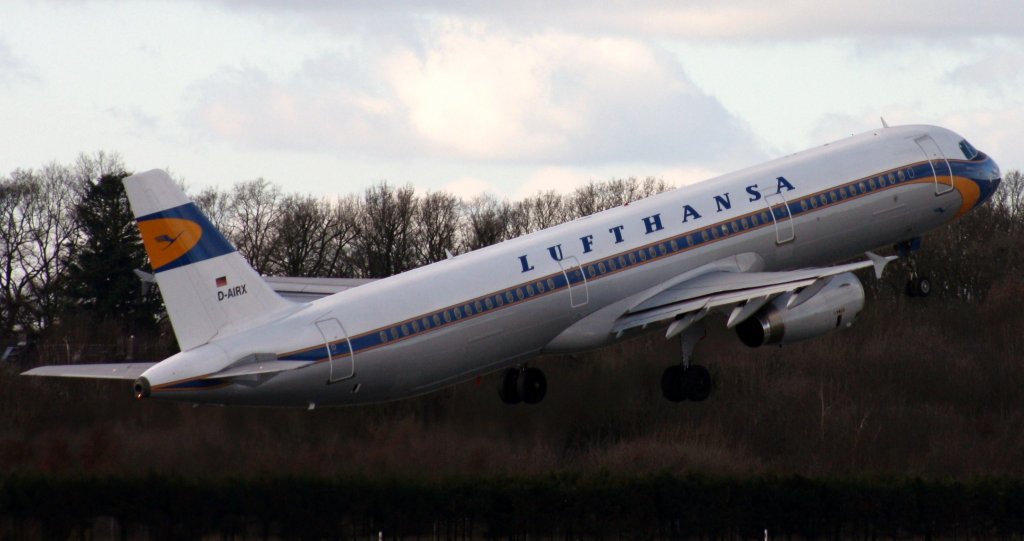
968,149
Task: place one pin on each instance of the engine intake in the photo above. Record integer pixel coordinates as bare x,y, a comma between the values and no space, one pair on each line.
835,306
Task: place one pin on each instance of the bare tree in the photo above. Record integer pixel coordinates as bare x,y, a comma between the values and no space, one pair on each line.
218,206
485,222
437,226
257,209
385,242
314,236
547,209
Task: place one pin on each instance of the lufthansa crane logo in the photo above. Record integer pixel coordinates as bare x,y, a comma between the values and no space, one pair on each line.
168,239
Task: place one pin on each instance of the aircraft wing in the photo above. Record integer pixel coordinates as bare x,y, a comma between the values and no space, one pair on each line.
303,289
295,288
129,371
251,366
743,293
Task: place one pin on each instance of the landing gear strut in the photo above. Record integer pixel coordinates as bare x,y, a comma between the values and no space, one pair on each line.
522,384
918,285
686,381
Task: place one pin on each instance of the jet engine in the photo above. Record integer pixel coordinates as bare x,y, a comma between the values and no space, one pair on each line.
786,319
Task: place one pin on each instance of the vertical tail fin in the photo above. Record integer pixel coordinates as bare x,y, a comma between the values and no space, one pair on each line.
206,284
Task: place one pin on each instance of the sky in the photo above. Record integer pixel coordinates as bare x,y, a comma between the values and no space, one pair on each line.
330,97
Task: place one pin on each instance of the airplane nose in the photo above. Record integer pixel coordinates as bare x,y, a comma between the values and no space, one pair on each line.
988,181
141,388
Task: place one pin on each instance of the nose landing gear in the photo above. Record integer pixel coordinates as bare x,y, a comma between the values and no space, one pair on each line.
918,285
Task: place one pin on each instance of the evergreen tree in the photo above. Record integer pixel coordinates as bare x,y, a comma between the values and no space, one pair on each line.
101,273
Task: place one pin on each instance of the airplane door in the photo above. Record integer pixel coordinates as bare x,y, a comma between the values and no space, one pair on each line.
339,349
941,170
577,280
778,209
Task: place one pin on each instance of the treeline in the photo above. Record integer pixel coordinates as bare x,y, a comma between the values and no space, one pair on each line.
69,248
595,506
389,229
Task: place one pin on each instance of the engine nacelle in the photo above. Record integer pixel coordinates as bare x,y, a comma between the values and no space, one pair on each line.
835,306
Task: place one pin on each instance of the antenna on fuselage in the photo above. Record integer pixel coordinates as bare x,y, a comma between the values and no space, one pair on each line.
884,123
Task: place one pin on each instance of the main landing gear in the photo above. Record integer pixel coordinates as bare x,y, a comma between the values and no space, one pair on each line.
522,384
918,285
686,381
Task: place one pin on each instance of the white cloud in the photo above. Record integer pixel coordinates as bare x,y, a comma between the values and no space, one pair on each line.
995,131
12,68
996,72
469,187
557,179
783,20
476,93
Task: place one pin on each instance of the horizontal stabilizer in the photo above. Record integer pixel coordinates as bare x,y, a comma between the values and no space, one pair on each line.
129,371
260,367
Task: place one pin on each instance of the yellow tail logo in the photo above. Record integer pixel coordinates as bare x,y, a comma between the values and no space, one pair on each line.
167,239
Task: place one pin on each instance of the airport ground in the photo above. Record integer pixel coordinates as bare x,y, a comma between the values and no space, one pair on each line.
917,407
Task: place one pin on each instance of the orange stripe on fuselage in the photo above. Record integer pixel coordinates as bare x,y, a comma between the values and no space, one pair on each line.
969,192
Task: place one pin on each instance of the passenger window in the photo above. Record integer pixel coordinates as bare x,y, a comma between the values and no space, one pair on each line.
704,235
479,307
383,336
632,258
674,245
551,283
529,290
509,297
803,204
519,293
415,325
394,333
437,320
901,175
405,330
601,267
661,249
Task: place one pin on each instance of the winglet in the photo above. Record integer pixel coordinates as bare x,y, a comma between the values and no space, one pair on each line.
879,262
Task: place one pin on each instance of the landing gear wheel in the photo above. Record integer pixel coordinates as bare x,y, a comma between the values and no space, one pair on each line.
919,286
696,383
508,386
532,386
672,384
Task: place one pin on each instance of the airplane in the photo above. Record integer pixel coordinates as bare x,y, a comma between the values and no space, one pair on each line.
754,246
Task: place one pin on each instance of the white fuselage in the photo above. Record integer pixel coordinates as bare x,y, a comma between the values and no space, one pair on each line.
560,289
